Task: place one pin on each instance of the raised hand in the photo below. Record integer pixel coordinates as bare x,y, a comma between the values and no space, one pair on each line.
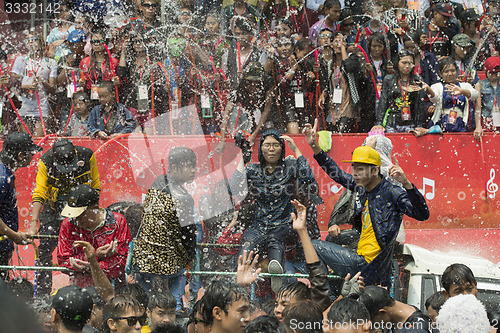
246,274
299,219
396,172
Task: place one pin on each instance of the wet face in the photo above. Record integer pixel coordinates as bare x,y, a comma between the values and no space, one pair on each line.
242,36
462,289
185,16
33,43
493,9
236,318
271,150
334,13
81,23
283,30
364,174
461,52
106,96
281,303
376,49
184,173
301,54
337,43
432,313
76,48
138,44
161,316
211,25
449,73
149,8
405,65
324,38
122,325
97,41
284,49
81,106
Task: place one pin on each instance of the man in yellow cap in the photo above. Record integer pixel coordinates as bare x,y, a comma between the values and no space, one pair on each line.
377,214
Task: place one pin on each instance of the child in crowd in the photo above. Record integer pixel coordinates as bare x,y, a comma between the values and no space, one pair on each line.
77,124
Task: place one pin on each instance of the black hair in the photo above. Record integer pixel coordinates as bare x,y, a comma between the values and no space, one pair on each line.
377,37
168,328
330,3
108,85
163,299
345,13
264,324
458,274
180,156
347,311
15,315
221,294
302,43
401,54
254,306
435,301
304,312
213,13
334,34
133,216
120,207
117,306
22,288
412,35
268,306
286,22
446,62
135,291
376,298
243,23
96,298
80,94
298,290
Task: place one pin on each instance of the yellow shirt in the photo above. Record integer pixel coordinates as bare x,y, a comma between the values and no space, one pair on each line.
146,329
368,246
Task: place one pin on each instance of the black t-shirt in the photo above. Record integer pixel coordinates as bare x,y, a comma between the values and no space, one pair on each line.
417,322
439,42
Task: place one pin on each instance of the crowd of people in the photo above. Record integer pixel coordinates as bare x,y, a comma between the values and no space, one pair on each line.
253,71
218,68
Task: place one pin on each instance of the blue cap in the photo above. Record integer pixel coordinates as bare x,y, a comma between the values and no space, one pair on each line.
76,36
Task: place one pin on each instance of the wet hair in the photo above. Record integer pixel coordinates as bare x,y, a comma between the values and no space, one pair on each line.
108,85
377,37
96,298
303,43
376,298
22,288
255,306
458,274
401,54
345,13
348,310
117,306
330,3
264,324
298,290
162,299
214,14
435,301
268,306
81,95
242,23
413,35
221,294
334,34
286,22
168,328
133,216
135,291
15,315
277,135
304,312
180,156
446,62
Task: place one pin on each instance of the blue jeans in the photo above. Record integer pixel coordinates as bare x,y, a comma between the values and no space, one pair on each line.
340,259
176,283
256,237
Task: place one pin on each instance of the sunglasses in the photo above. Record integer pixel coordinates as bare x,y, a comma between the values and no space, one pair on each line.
149,5
131,321
326,36
185,12
97,41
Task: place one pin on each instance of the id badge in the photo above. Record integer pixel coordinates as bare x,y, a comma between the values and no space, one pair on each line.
299,100
495,114
94,94
142,91
405,113
452,117
379,88
206,106
337,96
1,108
273,24
70,90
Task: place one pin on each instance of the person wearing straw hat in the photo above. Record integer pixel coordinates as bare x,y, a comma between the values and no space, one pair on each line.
17,152
378,214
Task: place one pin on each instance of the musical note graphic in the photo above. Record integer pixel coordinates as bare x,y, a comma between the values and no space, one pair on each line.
492,187
429,183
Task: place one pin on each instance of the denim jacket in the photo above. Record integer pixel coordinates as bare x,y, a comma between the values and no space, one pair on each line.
125,122
387,204
488,97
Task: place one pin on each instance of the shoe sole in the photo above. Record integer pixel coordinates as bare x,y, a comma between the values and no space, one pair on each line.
275,268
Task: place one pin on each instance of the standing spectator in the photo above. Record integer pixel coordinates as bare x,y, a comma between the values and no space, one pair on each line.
238,8
72,307
461,48
490,26
331,9
400,20
436,36
378,231
109,119
37,76
426,64
17,152
379,59
59,34
166,241
106,231
487,113
59,170
401,107
469,20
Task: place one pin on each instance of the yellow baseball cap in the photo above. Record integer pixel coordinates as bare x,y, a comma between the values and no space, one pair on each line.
366,155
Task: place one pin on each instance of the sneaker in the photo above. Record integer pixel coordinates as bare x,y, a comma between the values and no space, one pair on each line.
275,268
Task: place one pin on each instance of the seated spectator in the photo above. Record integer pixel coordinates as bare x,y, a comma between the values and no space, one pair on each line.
384,309
122,313
77,124
71,309
109,119
434,303
487,113
348,316
106,231
464,314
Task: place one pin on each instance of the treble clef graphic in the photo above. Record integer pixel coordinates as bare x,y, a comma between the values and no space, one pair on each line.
491,187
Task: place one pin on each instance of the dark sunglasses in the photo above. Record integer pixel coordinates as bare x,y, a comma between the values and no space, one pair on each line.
131,321
149,5
97,41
